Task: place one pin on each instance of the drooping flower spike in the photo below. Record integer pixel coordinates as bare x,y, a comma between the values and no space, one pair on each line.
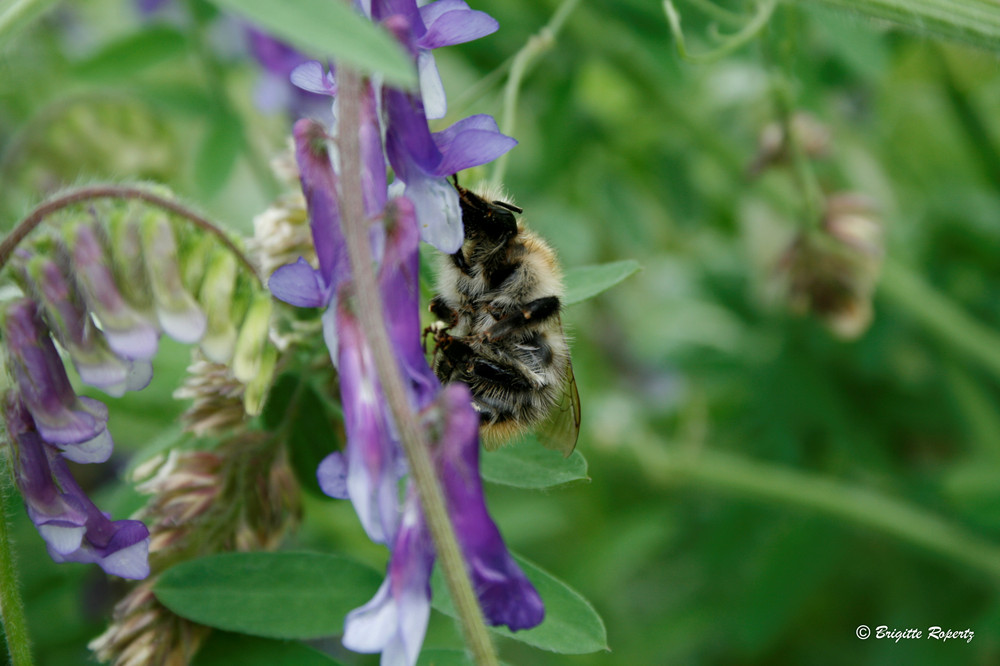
103,287
73,528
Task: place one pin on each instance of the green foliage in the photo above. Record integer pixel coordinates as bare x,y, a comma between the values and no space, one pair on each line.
330,29
275,595
583,282
226,648
296,411
527,464
132,54
571,625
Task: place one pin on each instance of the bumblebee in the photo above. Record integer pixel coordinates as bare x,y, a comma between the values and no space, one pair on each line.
499,329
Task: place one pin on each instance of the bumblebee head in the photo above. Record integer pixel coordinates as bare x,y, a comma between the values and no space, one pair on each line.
492,222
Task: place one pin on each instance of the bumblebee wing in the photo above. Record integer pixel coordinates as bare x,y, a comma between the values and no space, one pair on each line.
562,427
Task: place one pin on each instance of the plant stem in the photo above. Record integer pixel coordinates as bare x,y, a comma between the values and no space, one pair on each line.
536,45
11,606
940,316
805,176
92,192
372,318
868,508
736,41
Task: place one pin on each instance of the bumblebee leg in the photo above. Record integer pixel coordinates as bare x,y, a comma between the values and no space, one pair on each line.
498,373
455,356
537,310
443,311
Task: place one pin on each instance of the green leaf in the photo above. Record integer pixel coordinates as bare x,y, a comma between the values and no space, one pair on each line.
217,153
294,595
528,464
971,21
16,15
328,28
444,657
225,649
128,56
571,624
296,408
585,282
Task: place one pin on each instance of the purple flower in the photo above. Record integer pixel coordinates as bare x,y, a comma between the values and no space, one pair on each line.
504,592
274,91
399,286
73,528
395,620
77,425
368,471
441,23
423,161
65,310
311,77
147,7
128,333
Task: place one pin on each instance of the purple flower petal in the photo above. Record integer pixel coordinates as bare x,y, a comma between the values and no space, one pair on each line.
455,26
431,87
73,528
409,143
72,327
373,178
470,142
128,333
275,56
432,11
399,283
405,9
312,77
332,475
147,7
371,450
61,417
395,620
320,186
438,212
505,593
298,284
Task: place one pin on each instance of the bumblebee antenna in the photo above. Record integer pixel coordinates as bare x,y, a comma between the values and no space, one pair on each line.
509,206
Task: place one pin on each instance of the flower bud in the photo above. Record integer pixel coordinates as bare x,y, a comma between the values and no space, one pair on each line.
216,296
832,272
77,425
72,327
772,145
252,340
178,313
128,333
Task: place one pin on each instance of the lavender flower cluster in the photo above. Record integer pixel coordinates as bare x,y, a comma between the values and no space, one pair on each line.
368,472
103,293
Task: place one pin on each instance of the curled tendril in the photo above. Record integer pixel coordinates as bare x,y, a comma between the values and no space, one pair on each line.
123,192
765,8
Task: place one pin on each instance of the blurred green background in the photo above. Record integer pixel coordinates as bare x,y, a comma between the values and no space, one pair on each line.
760,487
